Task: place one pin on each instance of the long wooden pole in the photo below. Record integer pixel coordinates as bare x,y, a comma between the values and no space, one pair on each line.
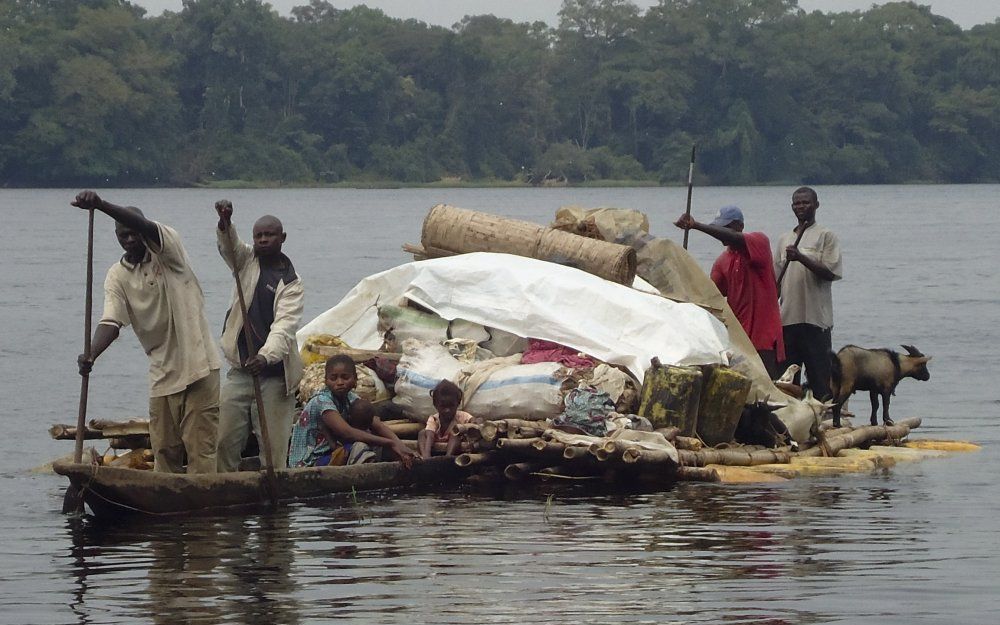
784,267
81,418
690,189
271,481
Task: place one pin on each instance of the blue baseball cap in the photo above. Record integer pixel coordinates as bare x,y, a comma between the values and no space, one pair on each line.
727,215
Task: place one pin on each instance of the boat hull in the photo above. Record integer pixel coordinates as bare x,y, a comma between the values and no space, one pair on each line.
114,491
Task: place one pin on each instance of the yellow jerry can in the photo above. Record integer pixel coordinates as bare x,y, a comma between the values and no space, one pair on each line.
723,395
670,397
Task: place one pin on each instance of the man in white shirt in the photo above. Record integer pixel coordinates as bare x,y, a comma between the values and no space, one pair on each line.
153,289
806,294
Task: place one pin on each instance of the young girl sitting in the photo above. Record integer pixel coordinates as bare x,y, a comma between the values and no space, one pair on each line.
324,434
446,397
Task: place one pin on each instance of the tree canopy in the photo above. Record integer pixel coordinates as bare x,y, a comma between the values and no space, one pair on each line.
95,92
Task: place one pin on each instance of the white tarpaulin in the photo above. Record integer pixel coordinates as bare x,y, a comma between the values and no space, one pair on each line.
536,299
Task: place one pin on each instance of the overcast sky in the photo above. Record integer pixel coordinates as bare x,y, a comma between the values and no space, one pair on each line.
966,13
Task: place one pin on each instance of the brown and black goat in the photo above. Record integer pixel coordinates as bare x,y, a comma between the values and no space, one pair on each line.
877,371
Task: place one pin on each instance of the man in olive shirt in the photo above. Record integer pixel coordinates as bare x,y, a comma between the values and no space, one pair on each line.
806,293
153,289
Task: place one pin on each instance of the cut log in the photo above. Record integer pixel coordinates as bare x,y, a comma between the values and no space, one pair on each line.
132,427
61,432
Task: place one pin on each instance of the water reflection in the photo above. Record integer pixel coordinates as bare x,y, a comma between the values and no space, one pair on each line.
698,553
201,570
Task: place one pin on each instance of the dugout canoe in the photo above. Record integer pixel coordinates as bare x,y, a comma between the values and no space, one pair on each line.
112,492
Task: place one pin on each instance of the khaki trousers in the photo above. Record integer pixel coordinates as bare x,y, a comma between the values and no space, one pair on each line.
186,422
238,413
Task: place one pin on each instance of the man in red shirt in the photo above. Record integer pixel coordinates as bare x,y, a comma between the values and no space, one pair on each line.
744,273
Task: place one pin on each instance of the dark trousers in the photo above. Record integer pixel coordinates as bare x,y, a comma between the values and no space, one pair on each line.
810,346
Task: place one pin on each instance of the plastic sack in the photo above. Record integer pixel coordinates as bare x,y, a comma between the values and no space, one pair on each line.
420,368
410,323
531,392
504,343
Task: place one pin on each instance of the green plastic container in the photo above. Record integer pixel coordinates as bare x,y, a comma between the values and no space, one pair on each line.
670,397
723,396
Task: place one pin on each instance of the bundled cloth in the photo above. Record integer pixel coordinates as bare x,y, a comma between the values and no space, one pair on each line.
548,351
592,411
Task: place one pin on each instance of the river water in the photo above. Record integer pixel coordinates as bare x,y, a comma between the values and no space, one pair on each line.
914,544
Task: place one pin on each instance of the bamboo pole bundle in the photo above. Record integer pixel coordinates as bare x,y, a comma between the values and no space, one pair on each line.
404,429
862,435
437,448
513,423
647,457
521,431
732,457
531,448
449,228
489,431
516,444
469,459
519,470
601,453
472,432
573,452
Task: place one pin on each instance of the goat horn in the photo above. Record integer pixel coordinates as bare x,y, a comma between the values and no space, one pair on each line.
911,350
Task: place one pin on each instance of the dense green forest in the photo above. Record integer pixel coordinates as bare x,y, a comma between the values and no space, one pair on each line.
94,92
